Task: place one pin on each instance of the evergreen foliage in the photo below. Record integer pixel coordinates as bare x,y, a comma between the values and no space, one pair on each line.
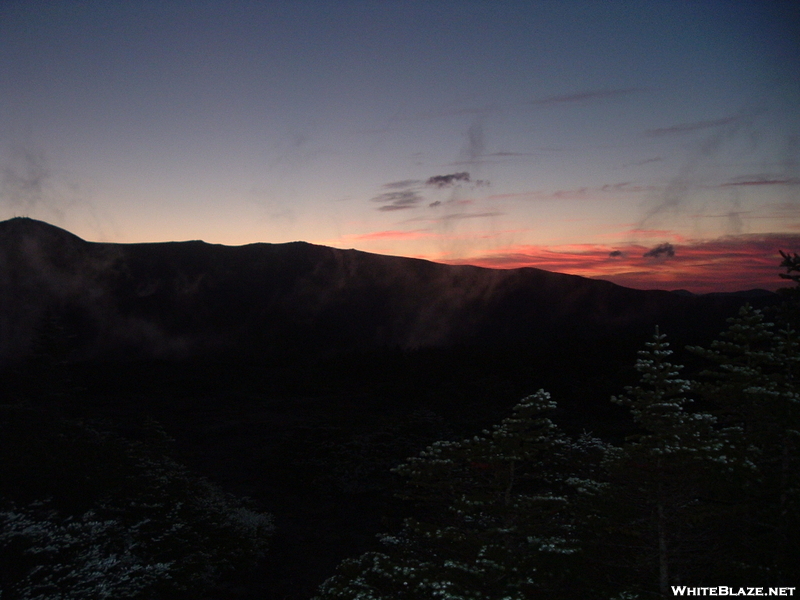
791,262
86,514
657,516
705,490
752,387
495,518
70,558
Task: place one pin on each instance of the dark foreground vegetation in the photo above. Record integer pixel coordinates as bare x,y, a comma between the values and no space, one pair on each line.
408,473
701,492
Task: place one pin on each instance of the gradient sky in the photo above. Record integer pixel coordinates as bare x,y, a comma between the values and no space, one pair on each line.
651,143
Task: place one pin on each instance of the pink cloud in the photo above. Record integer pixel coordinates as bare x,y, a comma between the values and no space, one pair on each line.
390,235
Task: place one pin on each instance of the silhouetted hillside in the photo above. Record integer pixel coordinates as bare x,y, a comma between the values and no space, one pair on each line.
190,299
299,375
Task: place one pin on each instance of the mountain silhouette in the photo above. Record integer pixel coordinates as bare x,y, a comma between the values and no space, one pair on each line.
189,299
299,374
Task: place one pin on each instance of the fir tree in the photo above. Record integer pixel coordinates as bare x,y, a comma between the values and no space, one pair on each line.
49,557
652,524
791,262
752,386
87,514
496,518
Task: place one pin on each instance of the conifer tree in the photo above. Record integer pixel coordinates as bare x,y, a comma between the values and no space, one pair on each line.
495,521
652,522
752,386
791,262
87,514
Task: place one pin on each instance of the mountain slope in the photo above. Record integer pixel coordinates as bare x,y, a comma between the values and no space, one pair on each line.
182,299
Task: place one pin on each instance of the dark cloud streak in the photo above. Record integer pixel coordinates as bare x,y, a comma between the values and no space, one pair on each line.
454,217
586,96
398,200
399,185
690,127
645,161
405,194
769,181
393,207
441,181
459,216
507,154
665,249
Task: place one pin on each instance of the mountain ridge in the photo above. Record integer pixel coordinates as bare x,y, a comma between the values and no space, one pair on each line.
298,375
183,299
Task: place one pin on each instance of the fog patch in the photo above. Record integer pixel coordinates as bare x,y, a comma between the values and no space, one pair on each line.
698,170
24,181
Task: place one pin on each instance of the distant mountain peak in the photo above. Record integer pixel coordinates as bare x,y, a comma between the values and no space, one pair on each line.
180,299
25,226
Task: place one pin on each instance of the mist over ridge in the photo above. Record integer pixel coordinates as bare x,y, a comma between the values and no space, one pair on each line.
182,299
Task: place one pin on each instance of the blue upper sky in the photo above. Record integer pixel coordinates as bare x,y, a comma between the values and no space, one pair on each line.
575,136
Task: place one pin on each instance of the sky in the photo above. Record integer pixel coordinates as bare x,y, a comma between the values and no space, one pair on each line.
653,144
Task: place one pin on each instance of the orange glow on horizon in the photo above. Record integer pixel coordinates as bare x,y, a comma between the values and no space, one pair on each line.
389,235
727,264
